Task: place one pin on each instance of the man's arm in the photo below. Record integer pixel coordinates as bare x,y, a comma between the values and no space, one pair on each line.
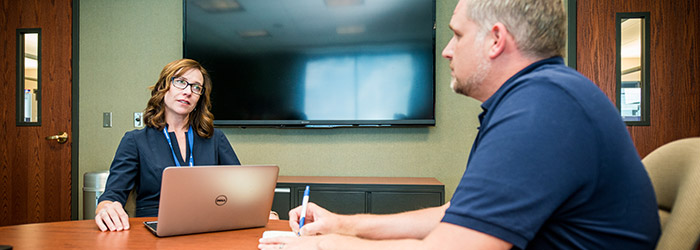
413,224
443,236
420,229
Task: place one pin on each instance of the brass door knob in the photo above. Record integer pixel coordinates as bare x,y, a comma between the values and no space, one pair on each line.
62,138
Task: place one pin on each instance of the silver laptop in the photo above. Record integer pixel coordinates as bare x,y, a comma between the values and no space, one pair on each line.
214,198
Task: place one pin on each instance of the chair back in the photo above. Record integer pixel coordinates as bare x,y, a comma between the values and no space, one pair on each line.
674,169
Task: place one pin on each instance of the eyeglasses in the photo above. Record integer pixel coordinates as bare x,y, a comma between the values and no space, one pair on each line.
182,84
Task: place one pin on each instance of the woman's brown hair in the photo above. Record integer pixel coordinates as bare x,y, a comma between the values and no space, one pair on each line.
201,119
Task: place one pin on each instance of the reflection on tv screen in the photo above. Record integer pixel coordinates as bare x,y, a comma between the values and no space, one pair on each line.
326,62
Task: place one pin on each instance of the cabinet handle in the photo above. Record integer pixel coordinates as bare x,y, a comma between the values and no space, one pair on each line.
283,190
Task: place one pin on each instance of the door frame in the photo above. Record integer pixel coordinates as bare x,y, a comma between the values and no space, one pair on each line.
75,97
571,33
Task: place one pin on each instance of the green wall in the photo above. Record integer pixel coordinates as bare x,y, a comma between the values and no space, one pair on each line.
125,44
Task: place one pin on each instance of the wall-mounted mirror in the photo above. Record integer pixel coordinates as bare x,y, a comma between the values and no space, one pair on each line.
29,77
632,92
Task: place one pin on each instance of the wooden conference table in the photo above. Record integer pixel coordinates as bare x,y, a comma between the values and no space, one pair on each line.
84,234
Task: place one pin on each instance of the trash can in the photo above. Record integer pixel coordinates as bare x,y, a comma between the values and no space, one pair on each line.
93,186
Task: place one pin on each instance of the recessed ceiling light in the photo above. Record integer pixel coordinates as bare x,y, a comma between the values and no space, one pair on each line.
219,5
30,63
340,3
253,33
349,30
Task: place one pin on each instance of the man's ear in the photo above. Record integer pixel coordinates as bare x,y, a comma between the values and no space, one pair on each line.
499,34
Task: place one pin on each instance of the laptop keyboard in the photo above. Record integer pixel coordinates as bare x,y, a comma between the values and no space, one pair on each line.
153,225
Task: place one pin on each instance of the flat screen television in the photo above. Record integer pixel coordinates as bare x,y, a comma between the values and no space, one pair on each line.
316,63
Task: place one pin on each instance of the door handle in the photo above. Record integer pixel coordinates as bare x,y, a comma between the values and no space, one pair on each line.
283,190
62,138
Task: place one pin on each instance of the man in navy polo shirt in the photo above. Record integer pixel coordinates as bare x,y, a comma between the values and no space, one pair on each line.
552,167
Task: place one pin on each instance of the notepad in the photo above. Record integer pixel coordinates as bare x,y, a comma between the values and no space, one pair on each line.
272,234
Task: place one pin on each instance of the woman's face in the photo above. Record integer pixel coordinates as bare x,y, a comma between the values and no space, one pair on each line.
180,102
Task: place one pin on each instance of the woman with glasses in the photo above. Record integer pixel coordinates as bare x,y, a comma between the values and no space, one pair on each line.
179,132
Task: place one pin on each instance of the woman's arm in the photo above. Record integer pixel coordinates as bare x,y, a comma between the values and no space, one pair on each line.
110,214
226,155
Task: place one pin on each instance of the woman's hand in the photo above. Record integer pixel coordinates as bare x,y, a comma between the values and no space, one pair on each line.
274,215
111,215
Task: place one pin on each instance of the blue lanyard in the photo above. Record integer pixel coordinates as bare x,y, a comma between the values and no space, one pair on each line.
191,142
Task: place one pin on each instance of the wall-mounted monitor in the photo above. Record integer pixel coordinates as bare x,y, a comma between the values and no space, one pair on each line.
316,63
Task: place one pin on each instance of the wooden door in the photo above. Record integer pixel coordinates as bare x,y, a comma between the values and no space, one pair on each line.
35,173
674,67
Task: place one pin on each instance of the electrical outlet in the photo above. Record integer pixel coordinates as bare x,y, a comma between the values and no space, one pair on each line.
138,119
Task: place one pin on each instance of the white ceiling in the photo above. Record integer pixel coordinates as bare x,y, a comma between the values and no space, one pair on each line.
631,43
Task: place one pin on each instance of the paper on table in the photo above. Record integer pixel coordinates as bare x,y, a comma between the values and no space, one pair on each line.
272,234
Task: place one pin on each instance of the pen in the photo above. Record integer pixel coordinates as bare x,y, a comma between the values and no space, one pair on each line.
304,203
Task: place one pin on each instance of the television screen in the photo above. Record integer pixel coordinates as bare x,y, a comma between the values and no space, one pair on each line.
316,63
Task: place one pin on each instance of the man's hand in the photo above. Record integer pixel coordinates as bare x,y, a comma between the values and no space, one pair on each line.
318,221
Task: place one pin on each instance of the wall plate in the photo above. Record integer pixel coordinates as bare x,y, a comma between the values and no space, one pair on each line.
107,119
138,119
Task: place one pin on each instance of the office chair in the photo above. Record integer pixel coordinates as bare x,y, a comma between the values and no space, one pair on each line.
674,169
130,206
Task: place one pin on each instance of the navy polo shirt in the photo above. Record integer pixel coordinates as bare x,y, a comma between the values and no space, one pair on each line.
553,167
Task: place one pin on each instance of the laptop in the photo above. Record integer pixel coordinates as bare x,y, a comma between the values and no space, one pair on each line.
214,198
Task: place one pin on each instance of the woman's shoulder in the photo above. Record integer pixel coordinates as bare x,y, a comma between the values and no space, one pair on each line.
218,133
139,133
220,137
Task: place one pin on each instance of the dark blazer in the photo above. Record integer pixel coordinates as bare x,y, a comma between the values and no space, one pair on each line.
142,156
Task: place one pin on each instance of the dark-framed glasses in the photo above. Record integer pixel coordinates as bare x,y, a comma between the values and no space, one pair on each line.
182,84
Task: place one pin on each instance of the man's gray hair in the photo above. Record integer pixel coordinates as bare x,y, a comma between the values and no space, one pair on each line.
538,26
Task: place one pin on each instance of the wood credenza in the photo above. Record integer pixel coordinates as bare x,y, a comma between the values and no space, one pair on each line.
351,195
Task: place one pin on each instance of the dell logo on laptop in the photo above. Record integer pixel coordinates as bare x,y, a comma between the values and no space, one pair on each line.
221,200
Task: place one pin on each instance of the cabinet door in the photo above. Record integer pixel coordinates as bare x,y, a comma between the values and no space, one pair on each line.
282,202
337,201
394,202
